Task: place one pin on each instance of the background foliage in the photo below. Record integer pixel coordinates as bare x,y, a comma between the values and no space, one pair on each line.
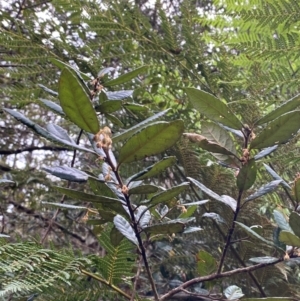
242,52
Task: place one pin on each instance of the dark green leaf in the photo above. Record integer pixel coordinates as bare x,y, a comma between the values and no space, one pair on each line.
265,259
278,131
125,228
129,132
100,188
152,140
167,195
109,106
68,173
53,106
213,108
119,95
295,223
114,119
276,176
143,189
263,190
265,152
296,189
166,228
254,234
76,103
289,239
247,175
154,169
126,77
233,292
115,236
281,221
206,264
286,107
101,202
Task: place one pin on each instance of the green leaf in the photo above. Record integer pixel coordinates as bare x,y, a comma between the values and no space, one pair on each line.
189,212
154,169
213,108
76,103
278,131
101,202
276,176
263,190
143,189
125,228
100,188
289,239
206,264
133,107
233,292
205,144
126,77
115,236
281,221
247,175
109,106
286,107
129,132
167,195
152,140
265,152
166,228
254,234
295,223
296,189
68,173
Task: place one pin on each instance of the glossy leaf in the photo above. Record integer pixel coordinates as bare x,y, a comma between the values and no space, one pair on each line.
5,182
213,108
265,259
281,221
278,131
143,216
101,202
68,173
124,78
265,152
196,203
119,95
207,145
247,175
152,140
166,228
286,107
133,107
113,119
169,194
4,235
215,216
192,230
231,202
125,228
52,106
51,92
233,292
263,190
206,264
294,222
276,176
65,206
289,239
254,234
143,189
129,132
76,103
154,169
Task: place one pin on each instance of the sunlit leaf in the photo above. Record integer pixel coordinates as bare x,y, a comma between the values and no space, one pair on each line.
278,131
286,107
206,264
265,259
76,103
65,206
213,108
289,239
152,140
53,106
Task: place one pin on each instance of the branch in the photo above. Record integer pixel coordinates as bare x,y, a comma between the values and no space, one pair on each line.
32,148
217,276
